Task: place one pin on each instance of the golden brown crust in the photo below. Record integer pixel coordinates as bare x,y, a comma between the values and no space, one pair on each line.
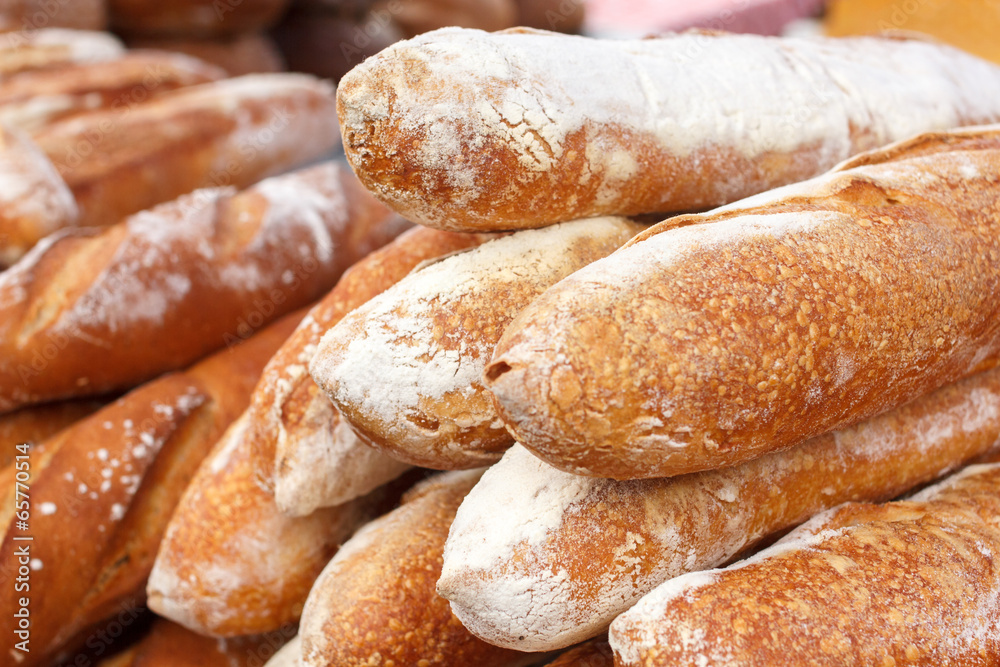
907,583
295,432
793,313
595,653
106,487
231,132
607,543
230,563
194,17
30,100
404,369
375,602
27,15
35,424
647,132
91,311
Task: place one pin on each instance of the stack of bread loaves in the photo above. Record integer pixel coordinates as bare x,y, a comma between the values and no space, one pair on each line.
674,397
617,408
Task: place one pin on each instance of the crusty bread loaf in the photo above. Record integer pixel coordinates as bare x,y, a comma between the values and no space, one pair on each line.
231,132
102,491
770,321
303,450
375,602
404,369
251,53
464,130
539,559
170,645
30,100
52,47
90,311
194,17
29,15
38,423
34,202
907,583
230,563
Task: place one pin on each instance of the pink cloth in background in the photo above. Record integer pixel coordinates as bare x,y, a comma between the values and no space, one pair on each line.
640,18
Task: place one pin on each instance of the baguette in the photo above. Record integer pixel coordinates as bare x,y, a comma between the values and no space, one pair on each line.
375,603
565,127
540,559
304,452
756,327
230,563
31,100
232,132
911,583
35,200
51,47
90,311
102,491
404,369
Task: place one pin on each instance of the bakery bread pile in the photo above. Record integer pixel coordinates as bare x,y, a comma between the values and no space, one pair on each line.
617,408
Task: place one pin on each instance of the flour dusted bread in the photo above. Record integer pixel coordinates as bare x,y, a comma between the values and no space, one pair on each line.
404,369
34,200
233,132
375,602
465,130
304,451
31,100
230,562
103,490
715,338
90,311
906,583
539,559
51,47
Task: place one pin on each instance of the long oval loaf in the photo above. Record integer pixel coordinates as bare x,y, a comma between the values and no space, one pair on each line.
375,603
230,563
103,491
906,583
405,368
303,449
538,559
464,130
232,132
90,311
767,322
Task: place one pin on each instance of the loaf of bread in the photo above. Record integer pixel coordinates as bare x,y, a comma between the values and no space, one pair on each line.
33,99
170,645
465,130
34,202
38,423
752,328
304,452
234,132
404,369
253,53
29,15
102,492
375,604
906,583
52,47
540,559
230,563
194,17
91,311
